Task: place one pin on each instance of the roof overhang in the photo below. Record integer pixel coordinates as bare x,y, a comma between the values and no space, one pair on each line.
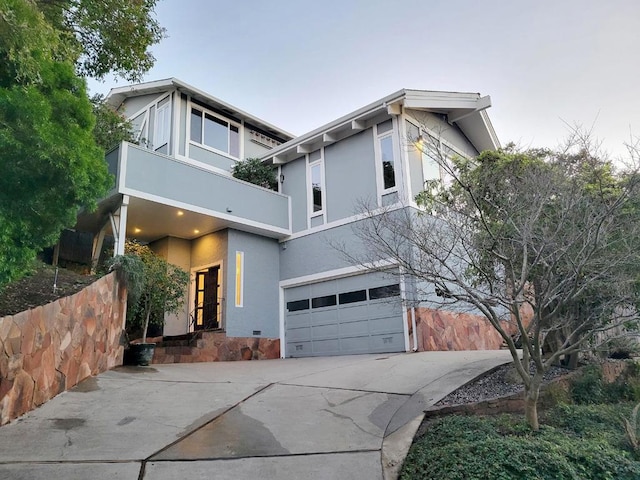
466,110
118,95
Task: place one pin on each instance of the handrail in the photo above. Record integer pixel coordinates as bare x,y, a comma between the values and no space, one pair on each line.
217,305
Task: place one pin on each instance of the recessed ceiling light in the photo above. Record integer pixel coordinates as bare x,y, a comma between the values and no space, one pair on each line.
180,213
196,231
136,230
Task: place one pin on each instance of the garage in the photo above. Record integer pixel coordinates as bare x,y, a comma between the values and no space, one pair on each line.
351,315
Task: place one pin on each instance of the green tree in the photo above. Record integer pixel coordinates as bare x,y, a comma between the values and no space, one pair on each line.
110,128
106,35
542,244
252,170
51,165
158,286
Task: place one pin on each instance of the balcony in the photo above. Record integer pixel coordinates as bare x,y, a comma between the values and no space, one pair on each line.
172,197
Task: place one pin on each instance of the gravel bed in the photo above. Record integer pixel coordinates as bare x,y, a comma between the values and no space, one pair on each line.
496,384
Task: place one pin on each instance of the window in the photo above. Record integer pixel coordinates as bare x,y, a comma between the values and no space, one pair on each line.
385,147
239,279
352,297
215,132
316,183
298,305
163,124
384,292
326,301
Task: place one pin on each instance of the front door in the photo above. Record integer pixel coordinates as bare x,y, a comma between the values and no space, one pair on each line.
206,300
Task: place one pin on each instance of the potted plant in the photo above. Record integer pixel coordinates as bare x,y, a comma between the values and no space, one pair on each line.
155,287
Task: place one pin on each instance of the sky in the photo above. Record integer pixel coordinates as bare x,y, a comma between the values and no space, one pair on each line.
548,65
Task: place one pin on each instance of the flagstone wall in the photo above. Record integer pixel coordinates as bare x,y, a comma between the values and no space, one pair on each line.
442,330
51,348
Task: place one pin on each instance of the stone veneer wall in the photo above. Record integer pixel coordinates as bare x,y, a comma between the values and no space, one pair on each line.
217,347
51,348
442,330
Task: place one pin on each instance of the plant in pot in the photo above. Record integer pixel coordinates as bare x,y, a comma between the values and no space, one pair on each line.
155,287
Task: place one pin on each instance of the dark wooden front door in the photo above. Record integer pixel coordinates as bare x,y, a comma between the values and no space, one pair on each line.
206,301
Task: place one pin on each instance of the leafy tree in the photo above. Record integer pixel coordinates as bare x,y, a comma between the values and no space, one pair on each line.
51,165
252,170
155,287
542,244
106,35
111,128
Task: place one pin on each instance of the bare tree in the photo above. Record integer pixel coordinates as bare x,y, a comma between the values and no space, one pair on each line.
542,244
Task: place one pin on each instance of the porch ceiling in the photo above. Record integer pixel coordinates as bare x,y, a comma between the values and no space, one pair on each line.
148,221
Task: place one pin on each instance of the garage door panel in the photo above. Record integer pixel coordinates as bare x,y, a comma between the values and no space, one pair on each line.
360,327
326,347
353,312
299,349
387,342
299,319
324,316
299,334
355,344
382,326
323,288
324,331
384,309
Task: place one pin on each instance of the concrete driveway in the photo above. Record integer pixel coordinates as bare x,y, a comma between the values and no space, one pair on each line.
312,418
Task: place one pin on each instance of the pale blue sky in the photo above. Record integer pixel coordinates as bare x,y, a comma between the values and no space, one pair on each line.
300,64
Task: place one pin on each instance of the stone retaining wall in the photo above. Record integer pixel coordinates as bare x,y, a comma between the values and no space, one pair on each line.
217,347
442,330
51,348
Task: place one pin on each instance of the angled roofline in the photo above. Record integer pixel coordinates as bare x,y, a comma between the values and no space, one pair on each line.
467,111
118,95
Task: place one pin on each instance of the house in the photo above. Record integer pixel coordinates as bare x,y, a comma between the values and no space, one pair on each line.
262,262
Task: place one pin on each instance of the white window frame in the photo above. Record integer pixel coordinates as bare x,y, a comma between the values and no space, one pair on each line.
162,112
310,164
379,166
192,106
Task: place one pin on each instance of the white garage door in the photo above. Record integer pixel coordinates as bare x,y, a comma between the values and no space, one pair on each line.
359,314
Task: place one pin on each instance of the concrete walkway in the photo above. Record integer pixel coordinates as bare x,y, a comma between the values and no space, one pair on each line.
312,418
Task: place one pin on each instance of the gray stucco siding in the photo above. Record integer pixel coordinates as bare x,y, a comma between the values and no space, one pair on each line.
350,175
450,133
210,158
319,252
260,310
295,185
132,105
174,180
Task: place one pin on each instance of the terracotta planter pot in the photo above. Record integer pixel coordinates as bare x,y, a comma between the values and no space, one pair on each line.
141,353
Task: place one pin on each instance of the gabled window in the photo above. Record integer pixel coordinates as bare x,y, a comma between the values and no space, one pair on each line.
163,124
215,132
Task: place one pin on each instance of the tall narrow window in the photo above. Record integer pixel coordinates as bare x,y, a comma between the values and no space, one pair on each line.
315,182
388,166
239,279
163,124
316,186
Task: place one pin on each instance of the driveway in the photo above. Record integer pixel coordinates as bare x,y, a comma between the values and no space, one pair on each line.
312,418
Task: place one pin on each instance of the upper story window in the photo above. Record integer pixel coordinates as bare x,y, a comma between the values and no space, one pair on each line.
386,154
215,132
163,124
316,183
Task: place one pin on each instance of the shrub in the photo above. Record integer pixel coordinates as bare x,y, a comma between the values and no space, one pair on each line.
252,170
580,442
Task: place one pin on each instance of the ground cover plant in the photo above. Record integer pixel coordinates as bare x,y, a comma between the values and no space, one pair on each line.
580,442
